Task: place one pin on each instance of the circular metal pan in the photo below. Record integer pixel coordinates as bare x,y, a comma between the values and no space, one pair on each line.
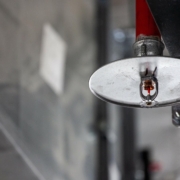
119,81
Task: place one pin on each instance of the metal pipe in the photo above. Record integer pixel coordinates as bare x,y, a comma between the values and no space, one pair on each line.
102,23
129,131
145,24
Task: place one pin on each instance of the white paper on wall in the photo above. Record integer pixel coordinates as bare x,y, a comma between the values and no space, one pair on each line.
52,62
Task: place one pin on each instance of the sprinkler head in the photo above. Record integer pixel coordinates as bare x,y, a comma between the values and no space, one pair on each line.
126,82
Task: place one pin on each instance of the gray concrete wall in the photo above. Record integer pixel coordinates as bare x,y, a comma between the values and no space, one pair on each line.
52,129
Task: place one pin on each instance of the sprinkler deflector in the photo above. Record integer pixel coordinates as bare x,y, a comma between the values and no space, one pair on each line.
148,80
120,82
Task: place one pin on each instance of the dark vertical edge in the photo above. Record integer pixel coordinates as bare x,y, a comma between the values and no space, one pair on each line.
102,23
145,157
102,31
128,130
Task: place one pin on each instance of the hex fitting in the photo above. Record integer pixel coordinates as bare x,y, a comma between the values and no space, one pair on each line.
148,46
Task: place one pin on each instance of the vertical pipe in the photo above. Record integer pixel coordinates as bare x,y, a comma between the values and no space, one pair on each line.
145,24
101,112
128,130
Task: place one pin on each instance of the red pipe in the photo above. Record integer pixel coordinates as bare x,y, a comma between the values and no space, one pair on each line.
145,24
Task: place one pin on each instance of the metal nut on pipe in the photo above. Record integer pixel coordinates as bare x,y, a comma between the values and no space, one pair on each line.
148,47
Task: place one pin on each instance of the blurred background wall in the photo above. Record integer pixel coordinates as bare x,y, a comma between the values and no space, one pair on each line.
48,53
51,126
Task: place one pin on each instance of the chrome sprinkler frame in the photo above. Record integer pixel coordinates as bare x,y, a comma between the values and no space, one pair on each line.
148,46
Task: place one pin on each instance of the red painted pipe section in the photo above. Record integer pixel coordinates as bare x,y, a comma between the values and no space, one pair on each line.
145,24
